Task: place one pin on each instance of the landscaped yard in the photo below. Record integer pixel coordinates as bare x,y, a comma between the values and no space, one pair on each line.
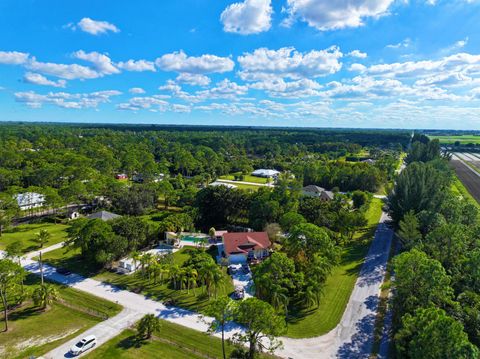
194,300
314,322
34,332
26,233
172,341
246,178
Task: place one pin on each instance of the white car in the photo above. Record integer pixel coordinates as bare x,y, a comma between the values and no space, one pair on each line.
86,343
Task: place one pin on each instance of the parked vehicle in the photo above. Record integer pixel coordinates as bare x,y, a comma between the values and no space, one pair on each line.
63,271
83,345
239,293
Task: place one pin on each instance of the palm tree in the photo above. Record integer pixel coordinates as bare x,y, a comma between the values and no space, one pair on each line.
279,298
183,278
311,297
135,258
44,295
174,272
164,272
211,276
192,280
147,325
42,237
145,261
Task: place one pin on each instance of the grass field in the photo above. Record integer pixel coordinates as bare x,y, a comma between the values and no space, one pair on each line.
34,332
172,341
26,233
197,300
339,286
463,139
246,178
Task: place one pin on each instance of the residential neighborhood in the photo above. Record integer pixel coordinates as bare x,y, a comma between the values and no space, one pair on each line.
240,179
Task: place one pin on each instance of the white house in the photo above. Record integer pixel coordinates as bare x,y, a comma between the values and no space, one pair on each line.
30,200
265,173
228,185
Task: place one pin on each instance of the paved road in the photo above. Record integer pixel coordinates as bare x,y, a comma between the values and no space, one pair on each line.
135,306
104,331
249,183
353,337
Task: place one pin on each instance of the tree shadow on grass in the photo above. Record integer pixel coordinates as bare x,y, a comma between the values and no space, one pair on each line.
25,313
129,342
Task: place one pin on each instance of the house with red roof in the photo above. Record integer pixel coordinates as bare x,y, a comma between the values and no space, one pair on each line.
239,247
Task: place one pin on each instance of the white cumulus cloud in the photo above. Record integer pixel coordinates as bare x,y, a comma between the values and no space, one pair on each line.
287,62
204,64
137,65
101,63
358,53
37,79
336,14
136,90
13,57
193,79
95,27
247,17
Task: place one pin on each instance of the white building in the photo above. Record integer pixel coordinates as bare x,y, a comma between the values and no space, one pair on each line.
228,185
265,173
30,200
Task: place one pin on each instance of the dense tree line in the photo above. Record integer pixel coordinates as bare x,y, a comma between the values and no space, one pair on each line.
436,303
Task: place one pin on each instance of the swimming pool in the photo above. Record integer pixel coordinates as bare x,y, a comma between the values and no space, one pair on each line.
192,239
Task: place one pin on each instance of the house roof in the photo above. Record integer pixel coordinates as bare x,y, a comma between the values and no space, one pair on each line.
328,194
244,242
28,198
228,185
103,215
265,172
314,189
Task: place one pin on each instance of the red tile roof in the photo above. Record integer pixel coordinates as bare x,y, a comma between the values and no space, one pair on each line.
244,242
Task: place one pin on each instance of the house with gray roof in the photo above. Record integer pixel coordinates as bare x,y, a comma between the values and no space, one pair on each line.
103,215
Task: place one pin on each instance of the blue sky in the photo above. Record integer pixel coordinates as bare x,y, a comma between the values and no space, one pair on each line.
345,63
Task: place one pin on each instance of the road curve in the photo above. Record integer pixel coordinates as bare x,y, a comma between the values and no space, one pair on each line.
353,336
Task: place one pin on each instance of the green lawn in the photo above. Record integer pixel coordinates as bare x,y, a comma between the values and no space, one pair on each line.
34,332
172,341
26,233
246,178
318,321
248,187
194,301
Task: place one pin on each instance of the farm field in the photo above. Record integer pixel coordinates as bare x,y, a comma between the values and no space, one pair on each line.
463,139
34,332
469,179
26,234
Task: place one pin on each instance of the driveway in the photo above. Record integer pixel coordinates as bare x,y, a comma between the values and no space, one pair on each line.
352,338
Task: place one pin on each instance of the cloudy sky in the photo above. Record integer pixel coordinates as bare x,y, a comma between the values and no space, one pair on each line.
345,63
